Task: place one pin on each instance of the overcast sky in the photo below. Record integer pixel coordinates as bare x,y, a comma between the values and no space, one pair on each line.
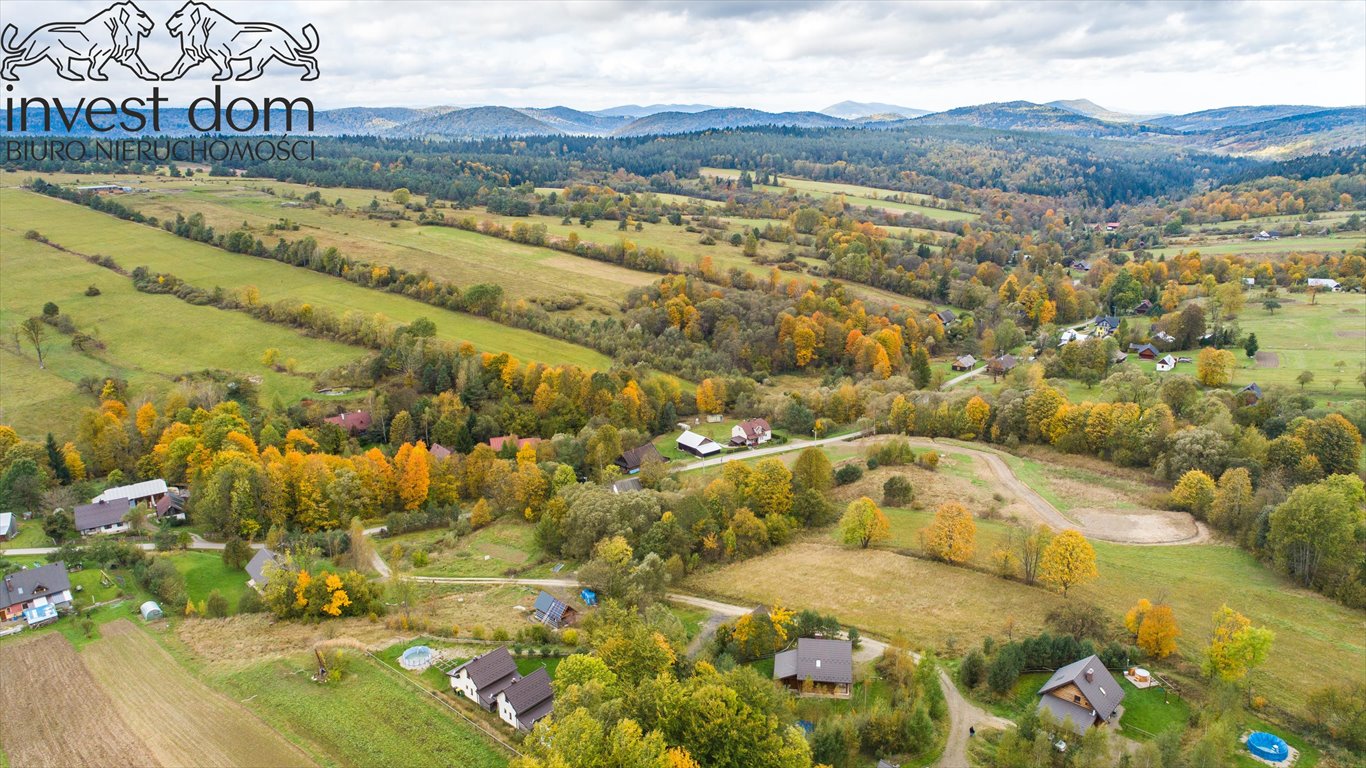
1142,57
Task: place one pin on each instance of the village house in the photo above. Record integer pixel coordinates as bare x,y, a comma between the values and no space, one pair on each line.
145,492
1107,323
526,700
439,452
946,316
1081,695
1145,351
9,526
553,612
354,422
1324,284
171,506
256,568
482,678
751,432
101,517
1166,364
1081,266
817,667
1001,365
1143,308
498,443
1251,394
41,590
631,461
964,363
697,444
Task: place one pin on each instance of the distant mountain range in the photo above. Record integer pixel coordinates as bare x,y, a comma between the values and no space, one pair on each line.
1273,131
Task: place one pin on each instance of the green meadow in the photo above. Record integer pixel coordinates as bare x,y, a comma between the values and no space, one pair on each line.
858,196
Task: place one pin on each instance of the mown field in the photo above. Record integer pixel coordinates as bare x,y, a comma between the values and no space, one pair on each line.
149,339
134,245
1234,245
1307,337
205,572
857,196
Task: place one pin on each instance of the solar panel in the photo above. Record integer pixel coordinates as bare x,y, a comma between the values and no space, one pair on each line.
556,613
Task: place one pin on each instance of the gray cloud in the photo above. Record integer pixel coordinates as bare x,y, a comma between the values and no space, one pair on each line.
1160,56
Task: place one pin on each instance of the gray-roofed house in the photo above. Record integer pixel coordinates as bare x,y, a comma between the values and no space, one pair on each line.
482,678
946,316
256,568
1249,395
41,587
627,485
527,700
964,363
1145,351
1108,323
102,517
1002,364
171,505
1082,694
631,461
827,664
553,612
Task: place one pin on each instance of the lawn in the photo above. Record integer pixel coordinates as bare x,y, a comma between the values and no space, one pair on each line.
370,718
1307,337
205,572
134,245
1242,245
858,196
30,534
1152,711
691,618
148,354
490,551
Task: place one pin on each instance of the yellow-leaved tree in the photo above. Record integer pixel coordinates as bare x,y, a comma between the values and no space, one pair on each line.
952,537
863,523
1157,632
1068,561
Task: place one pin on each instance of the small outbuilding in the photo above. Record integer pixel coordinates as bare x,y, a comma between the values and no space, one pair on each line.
964,363
553,612
151,611
697,444
8,527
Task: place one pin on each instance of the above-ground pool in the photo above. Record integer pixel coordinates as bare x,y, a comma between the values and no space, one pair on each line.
417,658
1268,746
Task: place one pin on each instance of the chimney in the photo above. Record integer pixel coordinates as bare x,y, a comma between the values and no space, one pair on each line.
9,584
1090,675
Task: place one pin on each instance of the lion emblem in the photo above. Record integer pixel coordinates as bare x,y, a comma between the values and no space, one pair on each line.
207,35
113,34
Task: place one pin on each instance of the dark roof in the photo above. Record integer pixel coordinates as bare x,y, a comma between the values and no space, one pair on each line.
529,693
1141,348
1101,690
1253,388
439,451
1003,363
824,661
1110,321
355,421
489,669
99,514
634,458
1066,712
256,566
550,609
170,504
946,316
22,586
626,485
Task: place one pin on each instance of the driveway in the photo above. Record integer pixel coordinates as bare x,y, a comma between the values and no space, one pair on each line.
794,445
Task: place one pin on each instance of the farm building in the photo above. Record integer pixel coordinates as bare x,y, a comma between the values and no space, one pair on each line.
499,443
147,491
1082,694
46,585
526,700
1143,308
256,568
946,316
354,422
101,517
817,667
1324,284
1002,365
151,611
482,678
439,452
1166,364
9,527
631,461
105,189
553,612
964,363
627,485
751,432
1145,351
696,444
171,506
1251,394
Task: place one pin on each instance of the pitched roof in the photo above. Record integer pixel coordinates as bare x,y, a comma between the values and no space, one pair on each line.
355,421
257,565
497,443
1141,348
635,457
1253,388
1066,712
627,484
1004,362
754,428
824,661
100,514
490,673
527,693
946,316
966,361
439,451
135,491
697,442
1101,690
171,503
6,523
22,586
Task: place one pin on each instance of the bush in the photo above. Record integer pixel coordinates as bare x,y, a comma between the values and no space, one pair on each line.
849,473
973,670
929,460
1005,669
500,635
216,606
250,602
92,291
897,491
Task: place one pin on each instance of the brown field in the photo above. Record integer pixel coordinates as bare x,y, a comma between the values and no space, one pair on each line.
254,637
55,714
181,720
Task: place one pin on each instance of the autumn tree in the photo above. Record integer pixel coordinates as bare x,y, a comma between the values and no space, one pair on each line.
1134,618
711,396
413,463
1158,631
1235,646
481,515
769,488
812,471
1068,560
952,536
1234,504
864,524
34,331
1214,367
1194,492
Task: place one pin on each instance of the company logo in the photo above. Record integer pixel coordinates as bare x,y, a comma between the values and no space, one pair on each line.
81,50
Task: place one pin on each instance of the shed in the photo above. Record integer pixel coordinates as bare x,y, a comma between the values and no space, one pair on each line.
964,363
553,612
151,611
697,444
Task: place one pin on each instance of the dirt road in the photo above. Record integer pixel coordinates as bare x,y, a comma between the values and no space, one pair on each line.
962,716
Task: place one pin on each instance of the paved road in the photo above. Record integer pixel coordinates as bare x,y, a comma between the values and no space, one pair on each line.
794,445
195,543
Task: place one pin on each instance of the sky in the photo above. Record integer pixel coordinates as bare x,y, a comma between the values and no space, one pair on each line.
1159,57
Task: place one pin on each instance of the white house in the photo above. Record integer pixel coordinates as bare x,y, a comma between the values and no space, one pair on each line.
697,445
751,432
1166,364
526,700
1324,284
102,517
482,678
148,491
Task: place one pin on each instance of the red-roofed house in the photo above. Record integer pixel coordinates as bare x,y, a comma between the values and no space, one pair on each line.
354,422
497,443
751,432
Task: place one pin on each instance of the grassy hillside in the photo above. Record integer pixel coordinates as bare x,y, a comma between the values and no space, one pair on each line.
148,354
135,245
858,196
